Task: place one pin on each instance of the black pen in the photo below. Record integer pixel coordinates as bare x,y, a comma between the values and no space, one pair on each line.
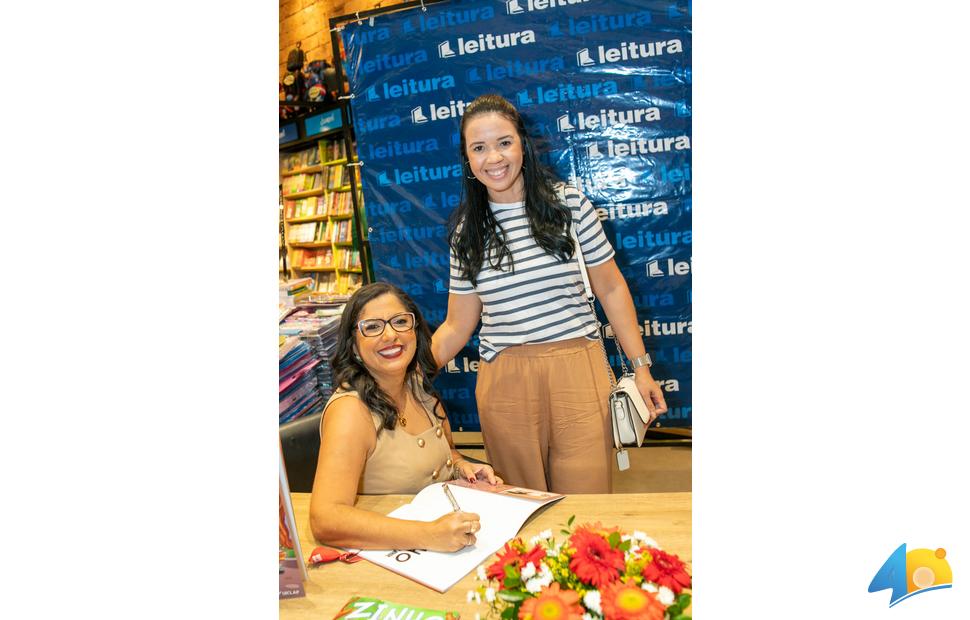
451,498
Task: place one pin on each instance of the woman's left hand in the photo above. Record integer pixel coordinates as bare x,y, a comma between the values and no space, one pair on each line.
652,395
471,472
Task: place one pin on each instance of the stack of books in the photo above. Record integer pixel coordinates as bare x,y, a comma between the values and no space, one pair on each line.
294,291
308,342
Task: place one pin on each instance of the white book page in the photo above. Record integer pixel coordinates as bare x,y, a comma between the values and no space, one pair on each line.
501,518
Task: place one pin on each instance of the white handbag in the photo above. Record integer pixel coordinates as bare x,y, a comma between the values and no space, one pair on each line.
629,415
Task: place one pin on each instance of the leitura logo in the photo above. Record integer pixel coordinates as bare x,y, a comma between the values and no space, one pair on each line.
918,571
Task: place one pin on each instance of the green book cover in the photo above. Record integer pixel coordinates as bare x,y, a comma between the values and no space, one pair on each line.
377,609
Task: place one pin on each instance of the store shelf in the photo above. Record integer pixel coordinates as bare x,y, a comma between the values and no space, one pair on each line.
304,220
320,244
308,170
328,278
306,194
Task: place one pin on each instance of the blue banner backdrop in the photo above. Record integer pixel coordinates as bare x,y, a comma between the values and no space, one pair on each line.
604,86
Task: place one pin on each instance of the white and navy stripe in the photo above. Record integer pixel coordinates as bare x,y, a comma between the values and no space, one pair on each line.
540,299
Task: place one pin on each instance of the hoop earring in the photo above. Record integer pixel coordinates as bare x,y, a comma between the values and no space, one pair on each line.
468,163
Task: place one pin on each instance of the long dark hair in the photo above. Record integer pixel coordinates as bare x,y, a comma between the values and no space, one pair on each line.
350,373
473,228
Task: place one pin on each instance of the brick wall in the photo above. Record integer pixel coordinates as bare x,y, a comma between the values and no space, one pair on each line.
308,21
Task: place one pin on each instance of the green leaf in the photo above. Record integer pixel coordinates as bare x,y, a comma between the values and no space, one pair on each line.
624,546
614,539
512,582
571,519
566,532
511,571
509,613
681,617
511,596
683,599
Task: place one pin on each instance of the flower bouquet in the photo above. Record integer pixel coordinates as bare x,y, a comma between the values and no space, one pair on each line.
594,572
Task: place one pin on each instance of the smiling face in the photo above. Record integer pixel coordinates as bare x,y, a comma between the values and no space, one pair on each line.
494,151
388,354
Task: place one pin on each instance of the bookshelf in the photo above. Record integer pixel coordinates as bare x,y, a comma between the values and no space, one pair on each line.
319,231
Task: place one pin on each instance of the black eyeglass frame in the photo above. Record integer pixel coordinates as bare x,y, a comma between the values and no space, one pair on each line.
385,323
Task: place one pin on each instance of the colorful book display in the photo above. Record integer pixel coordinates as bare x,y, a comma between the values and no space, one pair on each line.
319,228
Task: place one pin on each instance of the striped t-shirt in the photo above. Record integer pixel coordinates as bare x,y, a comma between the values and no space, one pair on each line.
541,299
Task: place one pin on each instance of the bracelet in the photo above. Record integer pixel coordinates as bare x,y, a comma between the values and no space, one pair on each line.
454,469
643,360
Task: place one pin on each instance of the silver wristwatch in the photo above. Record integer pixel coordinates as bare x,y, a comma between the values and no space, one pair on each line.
643,360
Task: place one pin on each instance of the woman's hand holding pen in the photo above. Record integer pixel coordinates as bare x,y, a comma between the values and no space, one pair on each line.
454,531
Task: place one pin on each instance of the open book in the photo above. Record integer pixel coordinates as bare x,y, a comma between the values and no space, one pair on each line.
502,508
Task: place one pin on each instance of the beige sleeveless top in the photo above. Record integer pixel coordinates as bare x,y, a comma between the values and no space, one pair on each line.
402,463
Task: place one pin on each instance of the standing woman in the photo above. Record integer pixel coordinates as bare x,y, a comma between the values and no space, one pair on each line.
542,383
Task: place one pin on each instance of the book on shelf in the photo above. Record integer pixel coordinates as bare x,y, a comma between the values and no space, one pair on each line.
290,162
306,207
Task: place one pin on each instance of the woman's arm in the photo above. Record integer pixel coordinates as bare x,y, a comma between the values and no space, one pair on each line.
614,295
469,470
347,436
464,312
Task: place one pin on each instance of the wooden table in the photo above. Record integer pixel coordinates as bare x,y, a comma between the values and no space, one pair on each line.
666,517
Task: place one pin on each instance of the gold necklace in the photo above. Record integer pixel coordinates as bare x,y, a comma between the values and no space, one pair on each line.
400,414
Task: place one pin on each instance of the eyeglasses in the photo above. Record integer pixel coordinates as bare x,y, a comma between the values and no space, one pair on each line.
372,328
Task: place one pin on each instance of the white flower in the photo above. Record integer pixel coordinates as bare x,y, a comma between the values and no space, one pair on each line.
592,601
543,579
541,536
666,596
589,616
649,587
478,616
545,573
528,571
625,538
646,540
481,573
551,553
470,596
490,595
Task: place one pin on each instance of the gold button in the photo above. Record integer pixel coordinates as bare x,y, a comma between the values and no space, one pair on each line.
420,443
448,463
437,433
434,475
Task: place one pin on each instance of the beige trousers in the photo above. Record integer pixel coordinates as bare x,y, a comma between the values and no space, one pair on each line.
544,417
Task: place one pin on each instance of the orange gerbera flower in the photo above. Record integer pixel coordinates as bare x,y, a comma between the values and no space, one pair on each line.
552,604
622,600
594,562
666,569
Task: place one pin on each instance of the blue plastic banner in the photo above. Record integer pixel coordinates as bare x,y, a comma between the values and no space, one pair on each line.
605,89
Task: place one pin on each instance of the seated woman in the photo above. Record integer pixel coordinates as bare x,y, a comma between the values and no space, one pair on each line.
385,431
